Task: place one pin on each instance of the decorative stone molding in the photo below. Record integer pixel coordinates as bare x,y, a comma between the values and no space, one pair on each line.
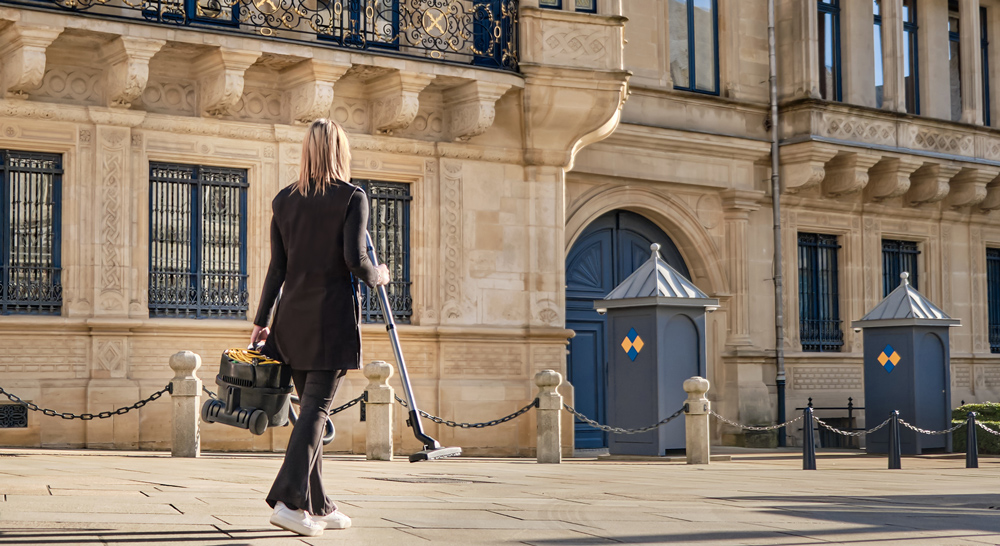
22,58
128,69
471,108
803,165
395,99
890,177
992,200
311,85
929,184
575,40
848,173
968,187
220,87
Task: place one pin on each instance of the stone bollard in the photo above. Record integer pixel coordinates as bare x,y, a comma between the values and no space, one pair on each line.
186,393
550,405
378,411
696,409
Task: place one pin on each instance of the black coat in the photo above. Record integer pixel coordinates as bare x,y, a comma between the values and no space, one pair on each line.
317,243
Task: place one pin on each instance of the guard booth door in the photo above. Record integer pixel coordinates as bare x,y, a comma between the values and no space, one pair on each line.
610,249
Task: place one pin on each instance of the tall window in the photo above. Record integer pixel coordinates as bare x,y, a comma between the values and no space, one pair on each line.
993,296
694,45
911,70
197,241
879,70
30,221
829,49
984,46
897,257
954,61
389,225
819,299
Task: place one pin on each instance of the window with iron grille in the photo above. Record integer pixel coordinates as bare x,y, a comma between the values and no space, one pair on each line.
897,257
197,241
819,298
993,296
389,225
13,416
30,217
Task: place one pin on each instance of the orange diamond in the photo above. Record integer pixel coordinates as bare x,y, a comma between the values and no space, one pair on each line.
638,343
882,359
626,345
895,358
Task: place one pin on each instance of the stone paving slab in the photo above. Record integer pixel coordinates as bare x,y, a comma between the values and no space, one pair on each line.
122,498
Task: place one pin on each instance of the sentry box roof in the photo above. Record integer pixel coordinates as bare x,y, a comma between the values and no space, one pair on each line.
656,283
904,306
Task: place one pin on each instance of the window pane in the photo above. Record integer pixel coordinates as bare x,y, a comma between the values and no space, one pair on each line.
879,73
955,77
910,71
828,56
909,11
984,34
555,4
389,225
993,296
819,300
586,5
704,44
679,59
897,257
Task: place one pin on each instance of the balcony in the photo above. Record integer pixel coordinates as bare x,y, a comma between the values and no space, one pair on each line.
481,33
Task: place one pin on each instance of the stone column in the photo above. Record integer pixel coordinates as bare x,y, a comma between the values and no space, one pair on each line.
856,47
696,414
738,205
550,405
797,49
186,394
933,54
894,86
972,62
378,411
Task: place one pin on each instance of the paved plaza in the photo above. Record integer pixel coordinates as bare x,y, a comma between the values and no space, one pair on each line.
94,498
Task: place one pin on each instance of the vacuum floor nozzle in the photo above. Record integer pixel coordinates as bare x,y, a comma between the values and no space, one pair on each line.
434,454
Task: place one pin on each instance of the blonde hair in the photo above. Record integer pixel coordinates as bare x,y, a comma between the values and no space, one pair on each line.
326,157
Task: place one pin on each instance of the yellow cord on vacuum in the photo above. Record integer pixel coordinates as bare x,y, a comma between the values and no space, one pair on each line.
247,356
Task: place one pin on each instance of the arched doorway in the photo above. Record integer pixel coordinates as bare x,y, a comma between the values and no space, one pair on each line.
606,253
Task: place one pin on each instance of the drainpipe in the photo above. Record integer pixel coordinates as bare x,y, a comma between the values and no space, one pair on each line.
779,311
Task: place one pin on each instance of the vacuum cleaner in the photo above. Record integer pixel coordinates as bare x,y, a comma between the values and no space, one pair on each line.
253,392
432,449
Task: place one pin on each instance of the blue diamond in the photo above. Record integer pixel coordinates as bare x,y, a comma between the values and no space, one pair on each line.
632,353
632,334
888,350
889,367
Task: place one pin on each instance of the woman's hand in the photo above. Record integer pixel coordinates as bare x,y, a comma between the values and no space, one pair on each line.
383,275
259,335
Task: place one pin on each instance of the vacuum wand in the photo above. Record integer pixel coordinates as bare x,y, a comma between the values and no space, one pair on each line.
432,449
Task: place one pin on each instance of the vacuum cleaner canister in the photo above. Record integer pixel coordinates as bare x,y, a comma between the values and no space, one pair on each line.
254,392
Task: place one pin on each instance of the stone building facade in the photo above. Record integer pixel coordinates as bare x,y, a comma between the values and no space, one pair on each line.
532,184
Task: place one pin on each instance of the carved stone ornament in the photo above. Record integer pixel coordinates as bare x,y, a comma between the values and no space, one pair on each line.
929,184
803,165
395,99
128,69
968,187
848,173
311,85
992,200
890,177
22,58
471,108
221,85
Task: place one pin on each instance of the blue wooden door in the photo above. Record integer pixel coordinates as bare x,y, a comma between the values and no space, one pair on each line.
609,250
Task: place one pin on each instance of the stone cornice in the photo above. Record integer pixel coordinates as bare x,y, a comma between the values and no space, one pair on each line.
657,139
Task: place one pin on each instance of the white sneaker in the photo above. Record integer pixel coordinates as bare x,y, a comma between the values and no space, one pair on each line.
334,520
296,521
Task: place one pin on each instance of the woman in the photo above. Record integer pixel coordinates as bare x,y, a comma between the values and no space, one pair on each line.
318,248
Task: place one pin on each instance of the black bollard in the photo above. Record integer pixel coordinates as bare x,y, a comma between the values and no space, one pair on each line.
971,443
808,440
894,443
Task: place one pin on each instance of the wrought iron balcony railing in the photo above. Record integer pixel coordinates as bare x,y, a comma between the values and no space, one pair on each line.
477,32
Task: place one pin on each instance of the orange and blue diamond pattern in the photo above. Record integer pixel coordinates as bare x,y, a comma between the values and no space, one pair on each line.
889,358
632,344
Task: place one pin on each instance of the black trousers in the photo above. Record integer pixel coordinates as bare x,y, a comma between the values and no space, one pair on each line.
299,483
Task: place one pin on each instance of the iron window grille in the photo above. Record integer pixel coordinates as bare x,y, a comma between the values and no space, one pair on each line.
197,241
829,49
819,298
389,225
13,416
897,257
695,13
31,218
911,57
993,296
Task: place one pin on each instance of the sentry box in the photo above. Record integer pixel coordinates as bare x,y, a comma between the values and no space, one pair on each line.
656,329
907,368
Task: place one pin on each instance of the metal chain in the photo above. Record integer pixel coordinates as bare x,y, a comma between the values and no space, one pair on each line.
208,392
617,430
87,416
987,429
846,433
747,427
931,432
440,421
347,405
